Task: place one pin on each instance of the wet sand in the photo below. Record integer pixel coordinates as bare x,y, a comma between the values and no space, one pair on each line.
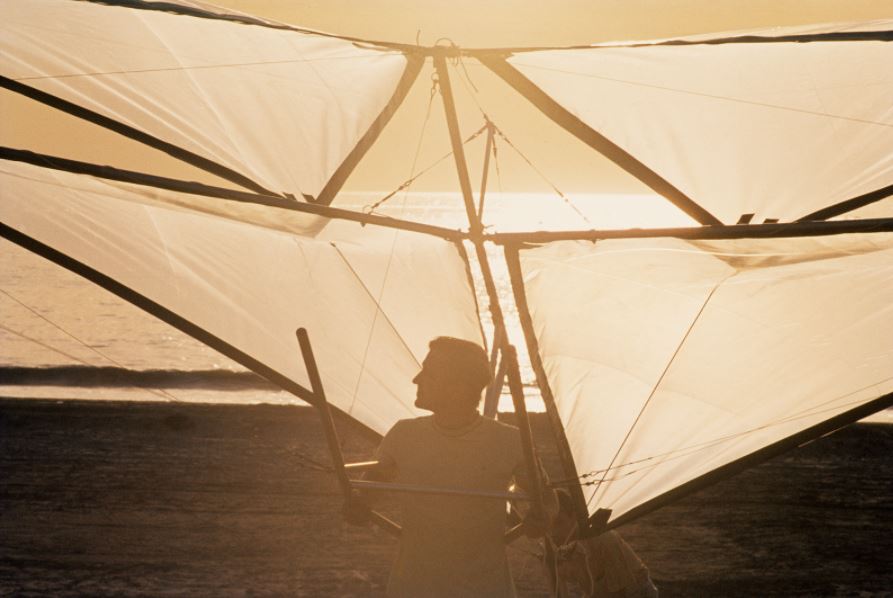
155,499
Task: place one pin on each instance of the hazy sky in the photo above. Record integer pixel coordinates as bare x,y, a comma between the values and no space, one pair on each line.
470,24
487,23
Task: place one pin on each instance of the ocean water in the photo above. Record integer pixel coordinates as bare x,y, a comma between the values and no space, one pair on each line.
85,343
63,337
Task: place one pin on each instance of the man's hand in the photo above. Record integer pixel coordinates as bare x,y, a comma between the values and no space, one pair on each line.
356,511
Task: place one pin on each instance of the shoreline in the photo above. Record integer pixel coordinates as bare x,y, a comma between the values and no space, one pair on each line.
151,498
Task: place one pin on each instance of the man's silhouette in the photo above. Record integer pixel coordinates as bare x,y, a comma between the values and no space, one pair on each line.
452,545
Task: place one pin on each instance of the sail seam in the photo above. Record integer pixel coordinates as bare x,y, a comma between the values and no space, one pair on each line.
188,68
703,95
378,310
137,135
156,309
211,108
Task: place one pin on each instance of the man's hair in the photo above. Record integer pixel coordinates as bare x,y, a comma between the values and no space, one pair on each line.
465,360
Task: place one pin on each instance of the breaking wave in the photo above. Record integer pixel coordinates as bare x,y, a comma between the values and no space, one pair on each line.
106,376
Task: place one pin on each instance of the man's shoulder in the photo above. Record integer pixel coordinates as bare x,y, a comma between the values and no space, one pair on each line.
500,432
497,427
410,424
403,435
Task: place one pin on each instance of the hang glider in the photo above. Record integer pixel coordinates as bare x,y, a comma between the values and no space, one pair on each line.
276,110
668,359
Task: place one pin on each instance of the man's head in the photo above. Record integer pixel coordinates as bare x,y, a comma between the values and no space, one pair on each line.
453,375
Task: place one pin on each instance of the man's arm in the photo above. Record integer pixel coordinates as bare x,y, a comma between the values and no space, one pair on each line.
357,508
385,471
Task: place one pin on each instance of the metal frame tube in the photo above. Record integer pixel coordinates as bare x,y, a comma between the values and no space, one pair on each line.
194,188
564,451
476,228
414,489
476,236
731,231
474,223
331,433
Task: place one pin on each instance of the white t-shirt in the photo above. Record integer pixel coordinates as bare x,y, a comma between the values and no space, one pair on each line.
452,546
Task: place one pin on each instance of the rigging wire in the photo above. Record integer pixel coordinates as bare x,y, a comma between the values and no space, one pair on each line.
370,209
470,88
304,460
44,345
473,93
548,181
801,415
694,448
496,164
159,392
404,186
660,379
418,150
700,447
378,310
156,391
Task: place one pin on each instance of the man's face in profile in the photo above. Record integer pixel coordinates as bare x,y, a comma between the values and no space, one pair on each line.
431,382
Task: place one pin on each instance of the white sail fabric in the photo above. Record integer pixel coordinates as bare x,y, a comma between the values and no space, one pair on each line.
669,359
281,107
371,298
779,130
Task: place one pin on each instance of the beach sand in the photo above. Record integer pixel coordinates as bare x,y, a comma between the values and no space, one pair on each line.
158,499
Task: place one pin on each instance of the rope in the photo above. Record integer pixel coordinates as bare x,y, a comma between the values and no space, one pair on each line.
156,391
